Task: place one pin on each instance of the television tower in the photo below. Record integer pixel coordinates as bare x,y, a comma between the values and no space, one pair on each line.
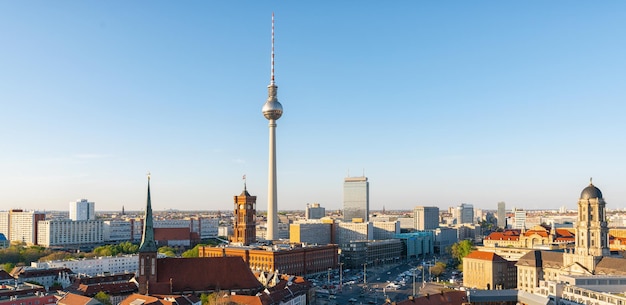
272,110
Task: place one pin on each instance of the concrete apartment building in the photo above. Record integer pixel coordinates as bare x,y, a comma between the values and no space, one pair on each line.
425,218
82,209
20,226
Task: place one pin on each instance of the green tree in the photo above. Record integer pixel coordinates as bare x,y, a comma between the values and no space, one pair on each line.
204,298
54,256
438,269
460,250
128,248
103,298
8,267
193,252
168,251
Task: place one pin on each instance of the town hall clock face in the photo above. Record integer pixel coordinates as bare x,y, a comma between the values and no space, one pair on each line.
241,206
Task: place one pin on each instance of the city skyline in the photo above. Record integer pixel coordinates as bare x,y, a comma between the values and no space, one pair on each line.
455,102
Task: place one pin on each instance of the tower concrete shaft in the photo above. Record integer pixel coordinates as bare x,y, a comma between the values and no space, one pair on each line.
272,193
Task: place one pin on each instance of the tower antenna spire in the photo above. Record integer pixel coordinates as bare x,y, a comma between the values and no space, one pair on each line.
272,60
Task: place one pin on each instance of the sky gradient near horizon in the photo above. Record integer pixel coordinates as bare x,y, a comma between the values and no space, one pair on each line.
438,103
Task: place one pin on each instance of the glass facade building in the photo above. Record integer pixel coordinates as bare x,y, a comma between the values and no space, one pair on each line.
356,198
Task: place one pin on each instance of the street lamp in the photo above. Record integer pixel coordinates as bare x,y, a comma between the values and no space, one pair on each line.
365,273
340,275
413,282
329,269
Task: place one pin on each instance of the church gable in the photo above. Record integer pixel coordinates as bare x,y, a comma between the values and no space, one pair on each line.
575,269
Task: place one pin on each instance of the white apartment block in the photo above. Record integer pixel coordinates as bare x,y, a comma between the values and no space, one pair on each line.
349,231
117,231
385,229
20,226
95,266
82,209
520,219
65,232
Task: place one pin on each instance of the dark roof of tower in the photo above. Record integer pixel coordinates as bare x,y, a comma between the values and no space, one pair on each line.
147,238
591,192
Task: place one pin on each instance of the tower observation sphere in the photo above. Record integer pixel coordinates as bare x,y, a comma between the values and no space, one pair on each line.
272,109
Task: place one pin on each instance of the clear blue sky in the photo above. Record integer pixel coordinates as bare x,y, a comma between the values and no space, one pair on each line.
439,102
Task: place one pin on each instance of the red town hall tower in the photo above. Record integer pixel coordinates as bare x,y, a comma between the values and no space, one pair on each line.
245,218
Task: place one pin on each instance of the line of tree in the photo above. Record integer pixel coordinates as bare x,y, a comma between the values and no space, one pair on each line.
19,253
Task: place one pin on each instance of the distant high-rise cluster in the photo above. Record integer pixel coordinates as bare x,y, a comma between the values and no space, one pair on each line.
501,214
520,218
464,213
356,199
314,211
82,209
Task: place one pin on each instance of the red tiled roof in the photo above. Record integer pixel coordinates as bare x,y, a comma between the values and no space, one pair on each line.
109,288
144,300
487,256
540,233
564,232
281,293
75,299
203,274
506,235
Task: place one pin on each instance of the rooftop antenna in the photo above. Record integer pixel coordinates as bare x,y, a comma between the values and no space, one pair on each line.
272,61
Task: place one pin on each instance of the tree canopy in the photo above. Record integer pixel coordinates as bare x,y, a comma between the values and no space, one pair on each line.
113,250
460,250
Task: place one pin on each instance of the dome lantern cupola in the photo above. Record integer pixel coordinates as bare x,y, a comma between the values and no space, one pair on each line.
591,192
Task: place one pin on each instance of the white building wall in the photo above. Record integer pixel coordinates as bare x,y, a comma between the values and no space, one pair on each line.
95,266
64,232
385,229
348,231
117,231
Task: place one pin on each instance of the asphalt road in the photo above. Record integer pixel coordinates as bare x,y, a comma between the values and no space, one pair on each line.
374,292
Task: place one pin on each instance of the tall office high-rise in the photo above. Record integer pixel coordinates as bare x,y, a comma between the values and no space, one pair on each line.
501,214
520,218
356,198
272,110
465,213
314,211
82,209
425,218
